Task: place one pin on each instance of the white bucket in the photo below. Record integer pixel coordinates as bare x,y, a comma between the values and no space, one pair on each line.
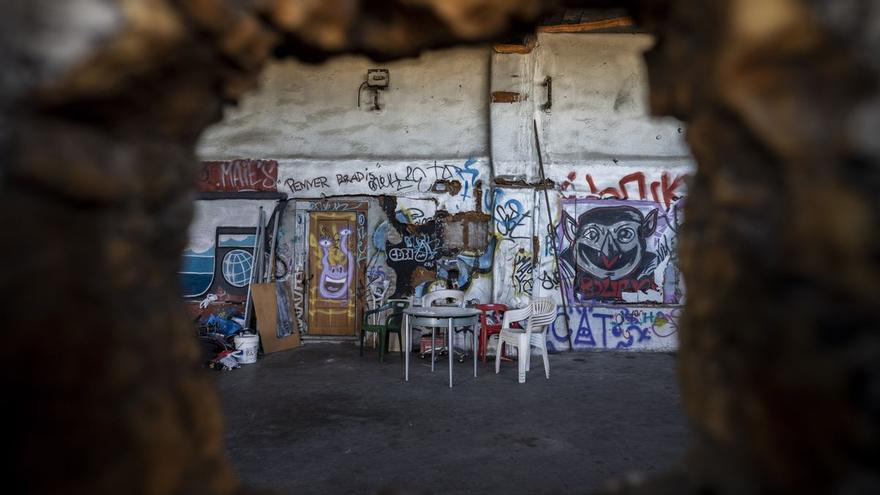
248,344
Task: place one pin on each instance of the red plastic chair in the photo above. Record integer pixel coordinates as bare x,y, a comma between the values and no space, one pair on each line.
490,324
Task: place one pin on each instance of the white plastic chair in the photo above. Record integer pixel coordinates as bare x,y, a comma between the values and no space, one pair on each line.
540,314
442,296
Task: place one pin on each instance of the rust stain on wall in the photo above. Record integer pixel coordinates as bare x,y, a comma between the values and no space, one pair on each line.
452,187
505,182
421,275
507,97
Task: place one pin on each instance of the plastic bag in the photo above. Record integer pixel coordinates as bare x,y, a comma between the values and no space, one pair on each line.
223,326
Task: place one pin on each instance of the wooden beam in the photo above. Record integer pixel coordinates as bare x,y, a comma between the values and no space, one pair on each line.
520,49
583,27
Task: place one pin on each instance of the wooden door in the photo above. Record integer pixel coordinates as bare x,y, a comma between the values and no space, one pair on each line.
332,270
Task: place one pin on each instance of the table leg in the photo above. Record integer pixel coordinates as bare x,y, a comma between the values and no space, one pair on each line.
433,346
449,343
407,345
475,349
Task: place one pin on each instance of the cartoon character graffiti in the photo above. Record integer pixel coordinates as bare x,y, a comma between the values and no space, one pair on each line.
337,265
607,250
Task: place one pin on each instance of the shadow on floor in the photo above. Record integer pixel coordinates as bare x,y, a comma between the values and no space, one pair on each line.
320,419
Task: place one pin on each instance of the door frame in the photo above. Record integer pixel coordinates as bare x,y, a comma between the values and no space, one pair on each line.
360,207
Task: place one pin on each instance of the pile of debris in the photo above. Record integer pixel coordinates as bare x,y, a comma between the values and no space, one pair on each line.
224,343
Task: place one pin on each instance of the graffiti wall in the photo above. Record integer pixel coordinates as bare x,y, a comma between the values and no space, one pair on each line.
413,258
628,182
453,185
404,238
618,266
224,269
424,157
412,246
617,256
238,176
616,238
619,251
470,271
513,219
448,194
218,259
617,327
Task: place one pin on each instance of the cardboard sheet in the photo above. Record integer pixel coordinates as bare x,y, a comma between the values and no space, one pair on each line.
266,302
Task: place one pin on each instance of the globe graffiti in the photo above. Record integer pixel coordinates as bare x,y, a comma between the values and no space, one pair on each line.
237,267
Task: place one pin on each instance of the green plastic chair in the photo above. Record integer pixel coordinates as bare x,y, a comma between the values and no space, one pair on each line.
392,324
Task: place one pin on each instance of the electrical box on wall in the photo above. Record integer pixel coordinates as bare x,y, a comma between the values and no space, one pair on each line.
377,78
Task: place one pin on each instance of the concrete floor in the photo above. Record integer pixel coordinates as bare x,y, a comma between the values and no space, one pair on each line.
320,419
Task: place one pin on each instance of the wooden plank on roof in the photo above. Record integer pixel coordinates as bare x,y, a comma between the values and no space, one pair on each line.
584,27
520,49
526,47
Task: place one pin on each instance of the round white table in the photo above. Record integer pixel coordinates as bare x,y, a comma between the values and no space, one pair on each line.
438,317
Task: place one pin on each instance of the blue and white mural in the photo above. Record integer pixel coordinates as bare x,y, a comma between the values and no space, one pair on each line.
219,258
227,265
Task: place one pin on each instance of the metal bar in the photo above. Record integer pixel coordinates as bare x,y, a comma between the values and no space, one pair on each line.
548,83
262,258
553,229
271,272
258,249
450,345
258,195
407,344
474,328
248,301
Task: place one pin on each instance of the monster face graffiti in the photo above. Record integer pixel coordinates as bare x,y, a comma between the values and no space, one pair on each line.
337,263
608,249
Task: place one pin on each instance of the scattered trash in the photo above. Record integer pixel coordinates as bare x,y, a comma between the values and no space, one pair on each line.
225,361
224,346
212,344
223,325
208,300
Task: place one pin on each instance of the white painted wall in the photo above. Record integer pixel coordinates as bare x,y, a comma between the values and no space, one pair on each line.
600,100
435,108
513,150
208,215
599,110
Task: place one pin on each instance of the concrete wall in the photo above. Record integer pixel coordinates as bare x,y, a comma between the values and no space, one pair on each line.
428,161
415,162
606,155
435,108
599,110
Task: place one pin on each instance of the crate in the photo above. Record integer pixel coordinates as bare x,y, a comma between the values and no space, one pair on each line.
425,343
